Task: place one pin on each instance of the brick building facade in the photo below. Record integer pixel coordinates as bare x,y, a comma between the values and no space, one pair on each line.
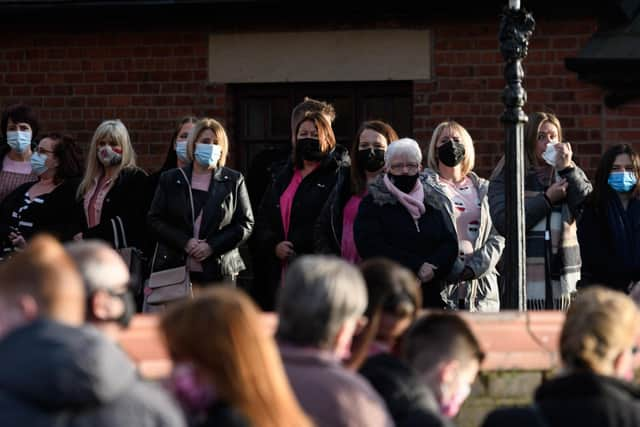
77,65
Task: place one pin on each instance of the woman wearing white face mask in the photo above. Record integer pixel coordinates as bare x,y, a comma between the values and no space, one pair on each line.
207,234
555,189
19,128
43,206
113,193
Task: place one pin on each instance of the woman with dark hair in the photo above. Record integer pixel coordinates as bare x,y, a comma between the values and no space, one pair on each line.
609,229
290,207
334,228
555,189
177,152
19,129
44,206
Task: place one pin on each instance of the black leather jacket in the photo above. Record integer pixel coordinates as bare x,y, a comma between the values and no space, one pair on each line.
227,221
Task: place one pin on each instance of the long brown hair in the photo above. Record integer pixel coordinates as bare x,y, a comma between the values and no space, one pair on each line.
391,288
531,129
326,137
222,333
358,176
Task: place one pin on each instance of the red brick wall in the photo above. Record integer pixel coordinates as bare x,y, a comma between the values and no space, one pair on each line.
148,80
468,83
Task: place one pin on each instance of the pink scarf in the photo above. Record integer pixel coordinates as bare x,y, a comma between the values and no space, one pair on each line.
413,201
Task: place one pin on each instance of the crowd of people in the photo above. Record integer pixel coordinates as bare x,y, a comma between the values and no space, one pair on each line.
347,246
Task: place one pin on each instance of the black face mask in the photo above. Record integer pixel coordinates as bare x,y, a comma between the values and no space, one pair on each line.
451,153
371,160
309,149
129,308
404,183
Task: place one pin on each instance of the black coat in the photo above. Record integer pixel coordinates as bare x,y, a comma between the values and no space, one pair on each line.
227,221
48,213
410,402
583,399
384,228
601,263
221,414
328,229
56,375
123,217
307,204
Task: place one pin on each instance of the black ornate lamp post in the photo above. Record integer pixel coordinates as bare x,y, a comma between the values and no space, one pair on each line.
516,28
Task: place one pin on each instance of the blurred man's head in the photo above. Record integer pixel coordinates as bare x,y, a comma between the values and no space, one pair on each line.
106,278
442,349
321,303
40,281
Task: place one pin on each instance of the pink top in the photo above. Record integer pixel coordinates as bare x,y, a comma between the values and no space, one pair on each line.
15,166
199,181
348,244
94,199
466,210
286,201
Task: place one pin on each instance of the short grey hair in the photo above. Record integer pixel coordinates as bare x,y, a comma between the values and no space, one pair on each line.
320,293
404,146
98,265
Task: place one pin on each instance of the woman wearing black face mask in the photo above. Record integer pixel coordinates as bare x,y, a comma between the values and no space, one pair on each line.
472,283
290,207
334,228
399,221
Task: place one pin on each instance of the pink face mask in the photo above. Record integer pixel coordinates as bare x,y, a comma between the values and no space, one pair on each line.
451,407
194,395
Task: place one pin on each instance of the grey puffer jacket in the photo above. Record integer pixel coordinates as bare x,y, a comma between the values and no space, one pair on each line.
57,375
482,292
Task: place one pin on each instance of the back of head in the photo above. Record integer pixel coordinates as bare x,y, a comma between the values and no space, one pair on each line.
100,266
394,294
44,273
310,105
438,338
320,294
240,359
599,325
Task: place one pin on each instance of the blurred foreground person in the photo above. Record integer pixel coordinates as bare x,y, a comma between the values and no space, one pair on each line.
597,346
235,377
319,307
53,371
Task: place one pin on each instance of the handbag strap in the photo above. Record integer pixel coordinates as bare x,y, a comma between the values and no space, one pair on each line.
193,220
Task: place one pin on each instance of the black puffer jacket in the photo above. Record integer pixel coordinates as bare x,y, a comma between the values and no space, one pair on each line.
581,399
227,221
307,204
409,401
56,375
384,227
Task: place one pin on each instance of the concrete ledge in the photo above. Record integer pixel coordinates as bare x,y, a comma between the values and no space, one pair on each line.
513,341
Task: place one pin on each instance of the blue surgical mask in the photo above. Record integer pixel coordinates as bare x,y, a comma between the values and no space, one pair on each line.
207,154
622,182
38,163
181,150
19,141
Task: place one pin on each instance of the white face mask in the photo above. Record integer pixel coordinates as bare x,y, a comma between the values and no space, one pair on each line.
550,154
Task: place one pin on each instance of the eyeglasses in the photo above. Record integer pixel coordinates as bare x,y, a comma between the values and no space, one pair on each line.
400,167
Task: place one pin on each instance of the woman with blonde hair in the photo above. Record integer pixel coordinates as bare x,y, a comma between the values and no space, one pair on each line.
598,345
201,213
235,377
472,283
113,191
555,189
